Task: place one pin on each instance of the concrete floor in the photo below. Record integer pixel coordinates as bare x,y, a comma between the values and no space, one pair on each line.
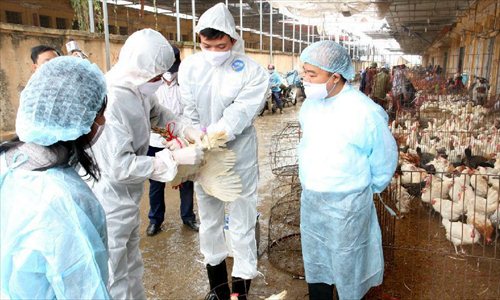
172,260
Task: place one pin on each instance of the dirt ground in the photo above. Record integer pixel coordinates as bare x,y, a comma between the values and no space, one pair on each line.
420,262
173,267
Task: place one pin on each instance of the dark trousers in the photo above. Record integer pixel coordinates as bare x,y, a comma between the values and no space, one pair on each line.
277,98
157,198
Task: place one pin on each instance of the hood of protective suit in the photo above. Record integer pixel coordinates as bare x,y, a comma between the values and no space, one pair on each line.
220,18
145,54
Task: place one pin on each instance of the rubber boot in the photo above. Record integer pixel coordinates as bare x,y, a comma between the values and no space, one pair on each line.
217,276
320,291
241,287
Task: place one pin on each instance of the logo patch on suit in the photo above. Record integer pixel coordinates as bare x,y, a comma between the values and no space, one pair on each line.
238,65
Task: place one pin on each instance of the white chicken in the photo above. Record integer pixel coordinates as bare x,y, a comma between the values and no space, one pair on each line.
460,192
279,296
404,200
448,209
460,234
481,205
494,181
412,174
479,183
482,224
436,188
216,176
495,219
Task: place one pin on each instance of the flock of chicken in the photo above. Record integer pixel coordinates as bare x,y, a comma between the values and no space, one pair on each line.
437,165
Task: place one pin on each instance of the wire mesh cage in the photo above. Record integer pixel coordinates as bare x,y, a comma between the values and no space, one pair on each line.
446,238
284,248
284,158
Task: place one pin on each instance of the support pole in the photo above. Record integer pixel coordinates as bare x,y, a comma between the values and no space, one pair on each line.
194,17
91,16
300,38
241,19
308,34
106,32
283,34
260,25
293,36
270,33
178,20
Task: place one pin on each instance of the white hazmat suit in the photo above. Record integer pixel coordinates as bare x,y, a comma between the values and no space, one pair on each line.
227,98
121,154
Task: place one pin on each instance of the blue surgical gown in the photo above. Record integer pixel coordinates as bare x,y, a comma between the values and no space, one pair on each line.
346,154
53,236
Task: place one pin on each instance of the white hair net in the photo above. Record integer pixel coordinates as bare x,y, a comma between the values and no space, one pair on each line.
220,18
145,54
61,101
329,56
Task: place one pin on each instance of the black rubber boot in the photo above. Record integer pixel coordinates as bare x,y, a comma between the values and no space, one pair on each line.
217,276
320,291
241,287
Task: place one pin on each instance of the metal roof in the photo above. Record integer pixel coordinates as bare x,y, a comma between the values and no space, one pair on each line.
415,24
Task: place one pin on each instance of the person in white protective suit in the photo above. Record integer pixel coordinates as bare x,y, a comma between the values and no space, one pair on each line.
346,154
121,152
53,229
223,90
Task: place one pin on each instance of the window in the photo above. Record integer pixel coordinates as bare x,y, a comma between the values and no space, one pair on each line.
123,30
45,21
75,25
461,54
61,23
14,17
112,29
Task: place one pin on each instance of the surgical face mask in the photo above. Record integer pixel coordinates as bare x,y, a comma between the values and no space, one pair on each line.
216,58
168,76
270,71
317,91
97,134
149,88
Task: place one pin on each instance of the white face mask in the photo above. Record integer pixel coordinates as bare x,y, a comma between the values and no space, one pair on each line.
317,91
97,134
169,76
149,88
215,58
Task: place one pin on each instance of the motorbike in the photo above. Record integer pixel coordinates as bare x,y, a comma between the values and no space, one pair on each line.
269,105
293,90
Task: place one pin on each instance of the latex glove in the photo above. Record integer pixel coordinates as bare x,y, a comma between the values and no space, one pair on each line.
193,135
164,166
218,127
188,155
176,143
